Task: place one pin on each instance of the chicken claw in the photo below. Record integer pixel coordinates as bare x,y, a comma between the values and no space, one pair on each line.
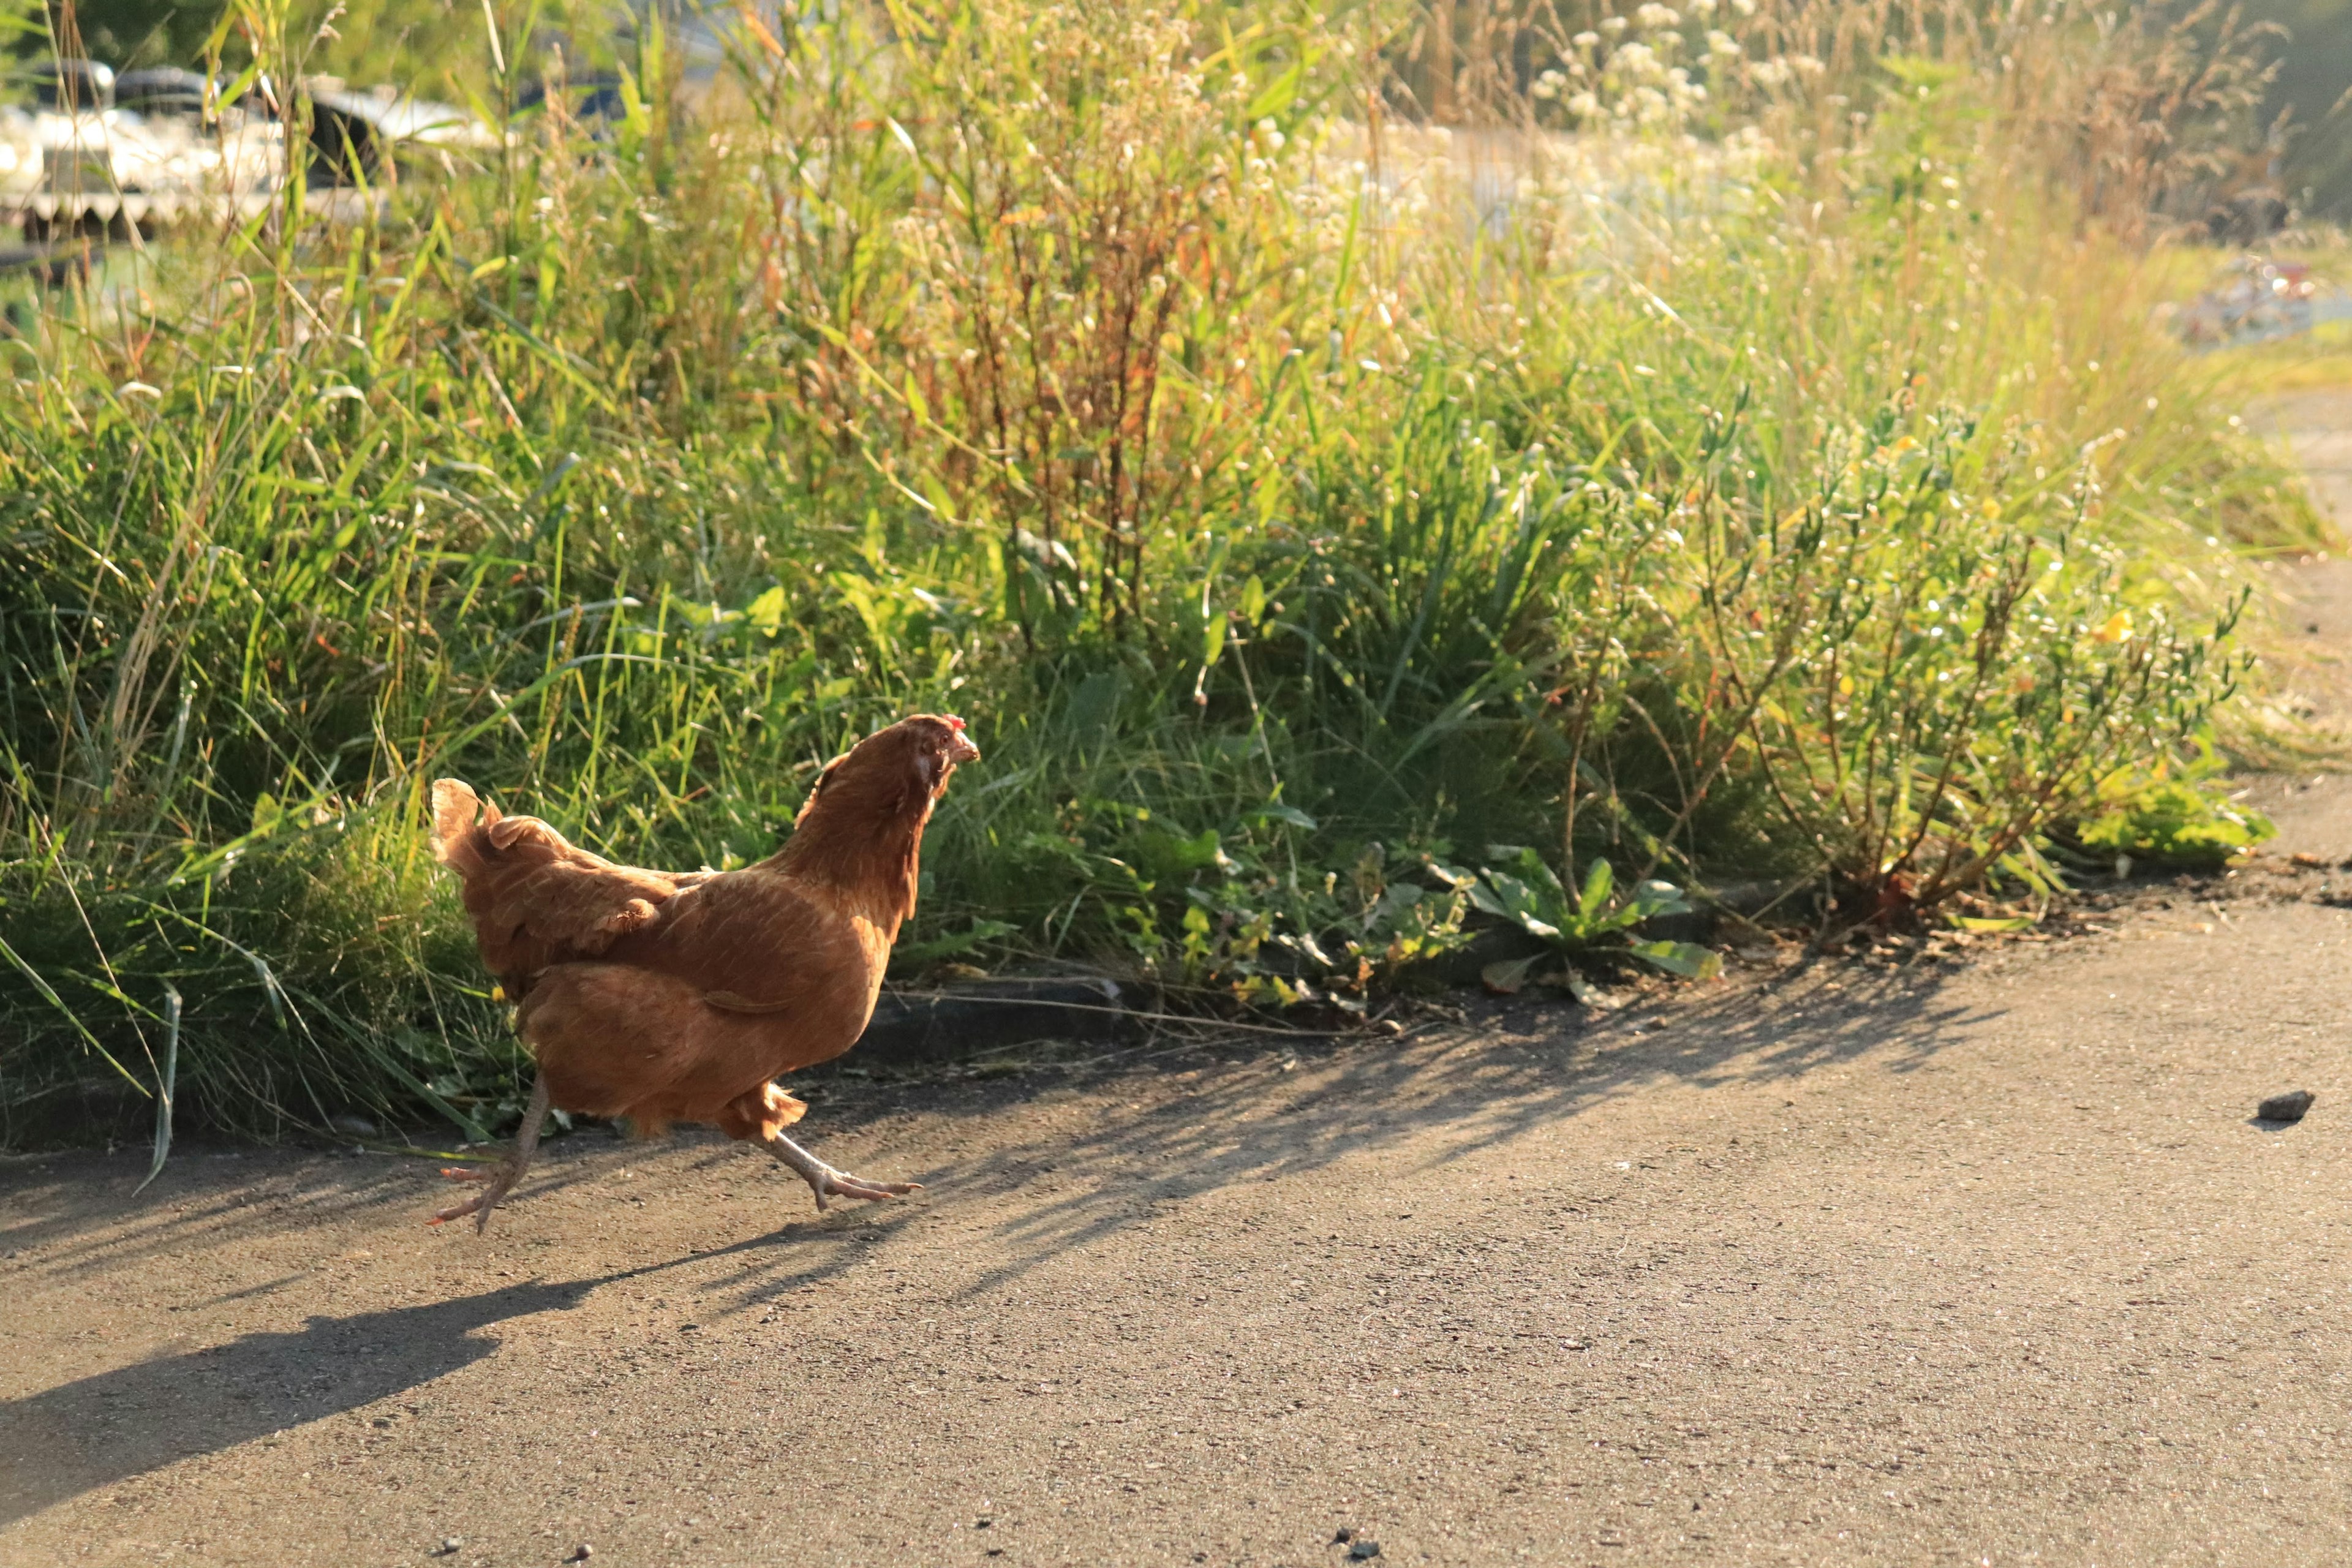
826,1182
499,1179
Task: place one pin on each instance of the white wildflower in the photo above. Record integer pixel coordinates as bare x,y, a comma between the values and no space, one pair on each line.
1635,62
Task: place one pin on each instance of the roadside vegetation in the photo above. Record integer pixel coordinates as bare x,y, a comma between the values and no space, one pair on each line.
1363,474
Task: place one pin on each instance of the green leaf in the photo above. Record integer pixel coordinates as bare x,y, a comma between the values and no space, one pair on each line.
1684,958
912,953
1253,600
2007,922
1598,884
1213,640
1656,898
1586,994
1456,878
767,612
1279,94
1510,897
1509,975
1539,874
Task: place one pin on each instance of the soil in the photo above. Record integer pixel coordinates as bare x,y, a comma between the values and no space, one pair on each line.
1904,1258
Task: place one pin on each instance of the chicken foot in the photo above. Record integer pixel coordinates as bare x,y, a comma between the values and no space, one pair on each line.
499,1179
824,1181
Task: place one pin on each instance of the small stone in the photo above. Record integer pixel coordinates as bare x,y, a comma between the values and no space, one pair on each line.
449,1546
1361,1548
2285,1107
1345,1536
580,1554
358,1126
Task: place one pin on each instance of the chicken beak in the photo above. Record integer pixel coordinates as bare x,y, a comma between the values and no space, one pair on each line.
961,750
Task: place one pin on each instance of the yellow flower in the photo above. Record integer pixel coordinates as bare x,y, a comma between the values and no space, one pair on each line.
1991,507
1845,686
2116,628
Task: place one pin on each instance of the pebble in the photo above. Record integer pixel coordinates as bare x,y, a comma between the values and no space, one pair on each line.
580,1554
449,1544
1361,1548
2285,1107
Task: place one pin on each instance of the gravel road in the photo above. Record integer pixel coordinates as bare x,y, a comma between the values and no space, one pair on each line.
1845,1262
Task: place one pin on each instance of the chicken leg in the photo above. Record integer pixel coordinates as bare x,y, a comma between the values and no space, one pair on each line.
499,1179
824,1181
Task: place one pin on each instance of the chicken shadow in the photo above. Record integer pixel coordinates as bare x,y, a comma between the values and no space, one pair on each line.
115,1426
1257,1112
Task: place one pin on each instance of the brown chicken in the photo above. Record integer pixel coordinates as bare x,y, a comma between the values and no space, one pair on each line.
663,996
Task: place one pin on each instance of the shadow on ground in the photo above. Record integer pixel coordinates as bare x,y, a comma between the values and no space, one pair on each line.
101,1430
1153,1133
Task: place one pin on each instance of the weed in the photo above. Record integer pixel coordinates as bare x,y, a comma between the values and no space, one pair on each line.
1283,493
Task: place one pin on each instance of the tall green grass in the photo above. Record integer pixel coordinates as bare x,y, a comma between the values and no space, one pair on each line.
1790,483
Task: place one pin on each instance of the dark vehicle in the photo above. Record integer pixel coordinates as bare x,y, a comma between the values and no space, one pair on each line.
166,89
355,135
70,87
595,99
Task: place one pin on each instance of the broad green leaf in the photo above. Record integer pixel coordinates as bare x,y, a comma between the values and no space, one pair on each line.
1509,975
920,952
1539,873
767,612
1253,600
1684,958
1456,878
1598,884
1656,898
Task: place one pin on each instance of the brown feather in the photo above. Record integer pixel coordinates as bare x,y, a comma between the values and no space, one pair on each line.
676,996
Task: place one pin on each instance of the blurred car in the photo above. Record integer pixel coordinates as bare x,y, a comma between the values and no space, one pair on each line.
95,155
2257,300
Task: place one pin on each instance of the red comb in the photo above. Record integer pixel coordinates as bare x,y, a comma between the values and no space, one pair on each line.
952,722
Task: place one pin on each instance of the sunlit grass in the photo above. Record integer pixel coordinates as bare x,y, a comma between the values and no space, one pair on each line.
1735,505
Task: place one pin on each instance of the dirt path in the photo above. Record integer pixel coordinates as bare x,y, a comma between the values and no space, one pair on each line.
1848,1264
